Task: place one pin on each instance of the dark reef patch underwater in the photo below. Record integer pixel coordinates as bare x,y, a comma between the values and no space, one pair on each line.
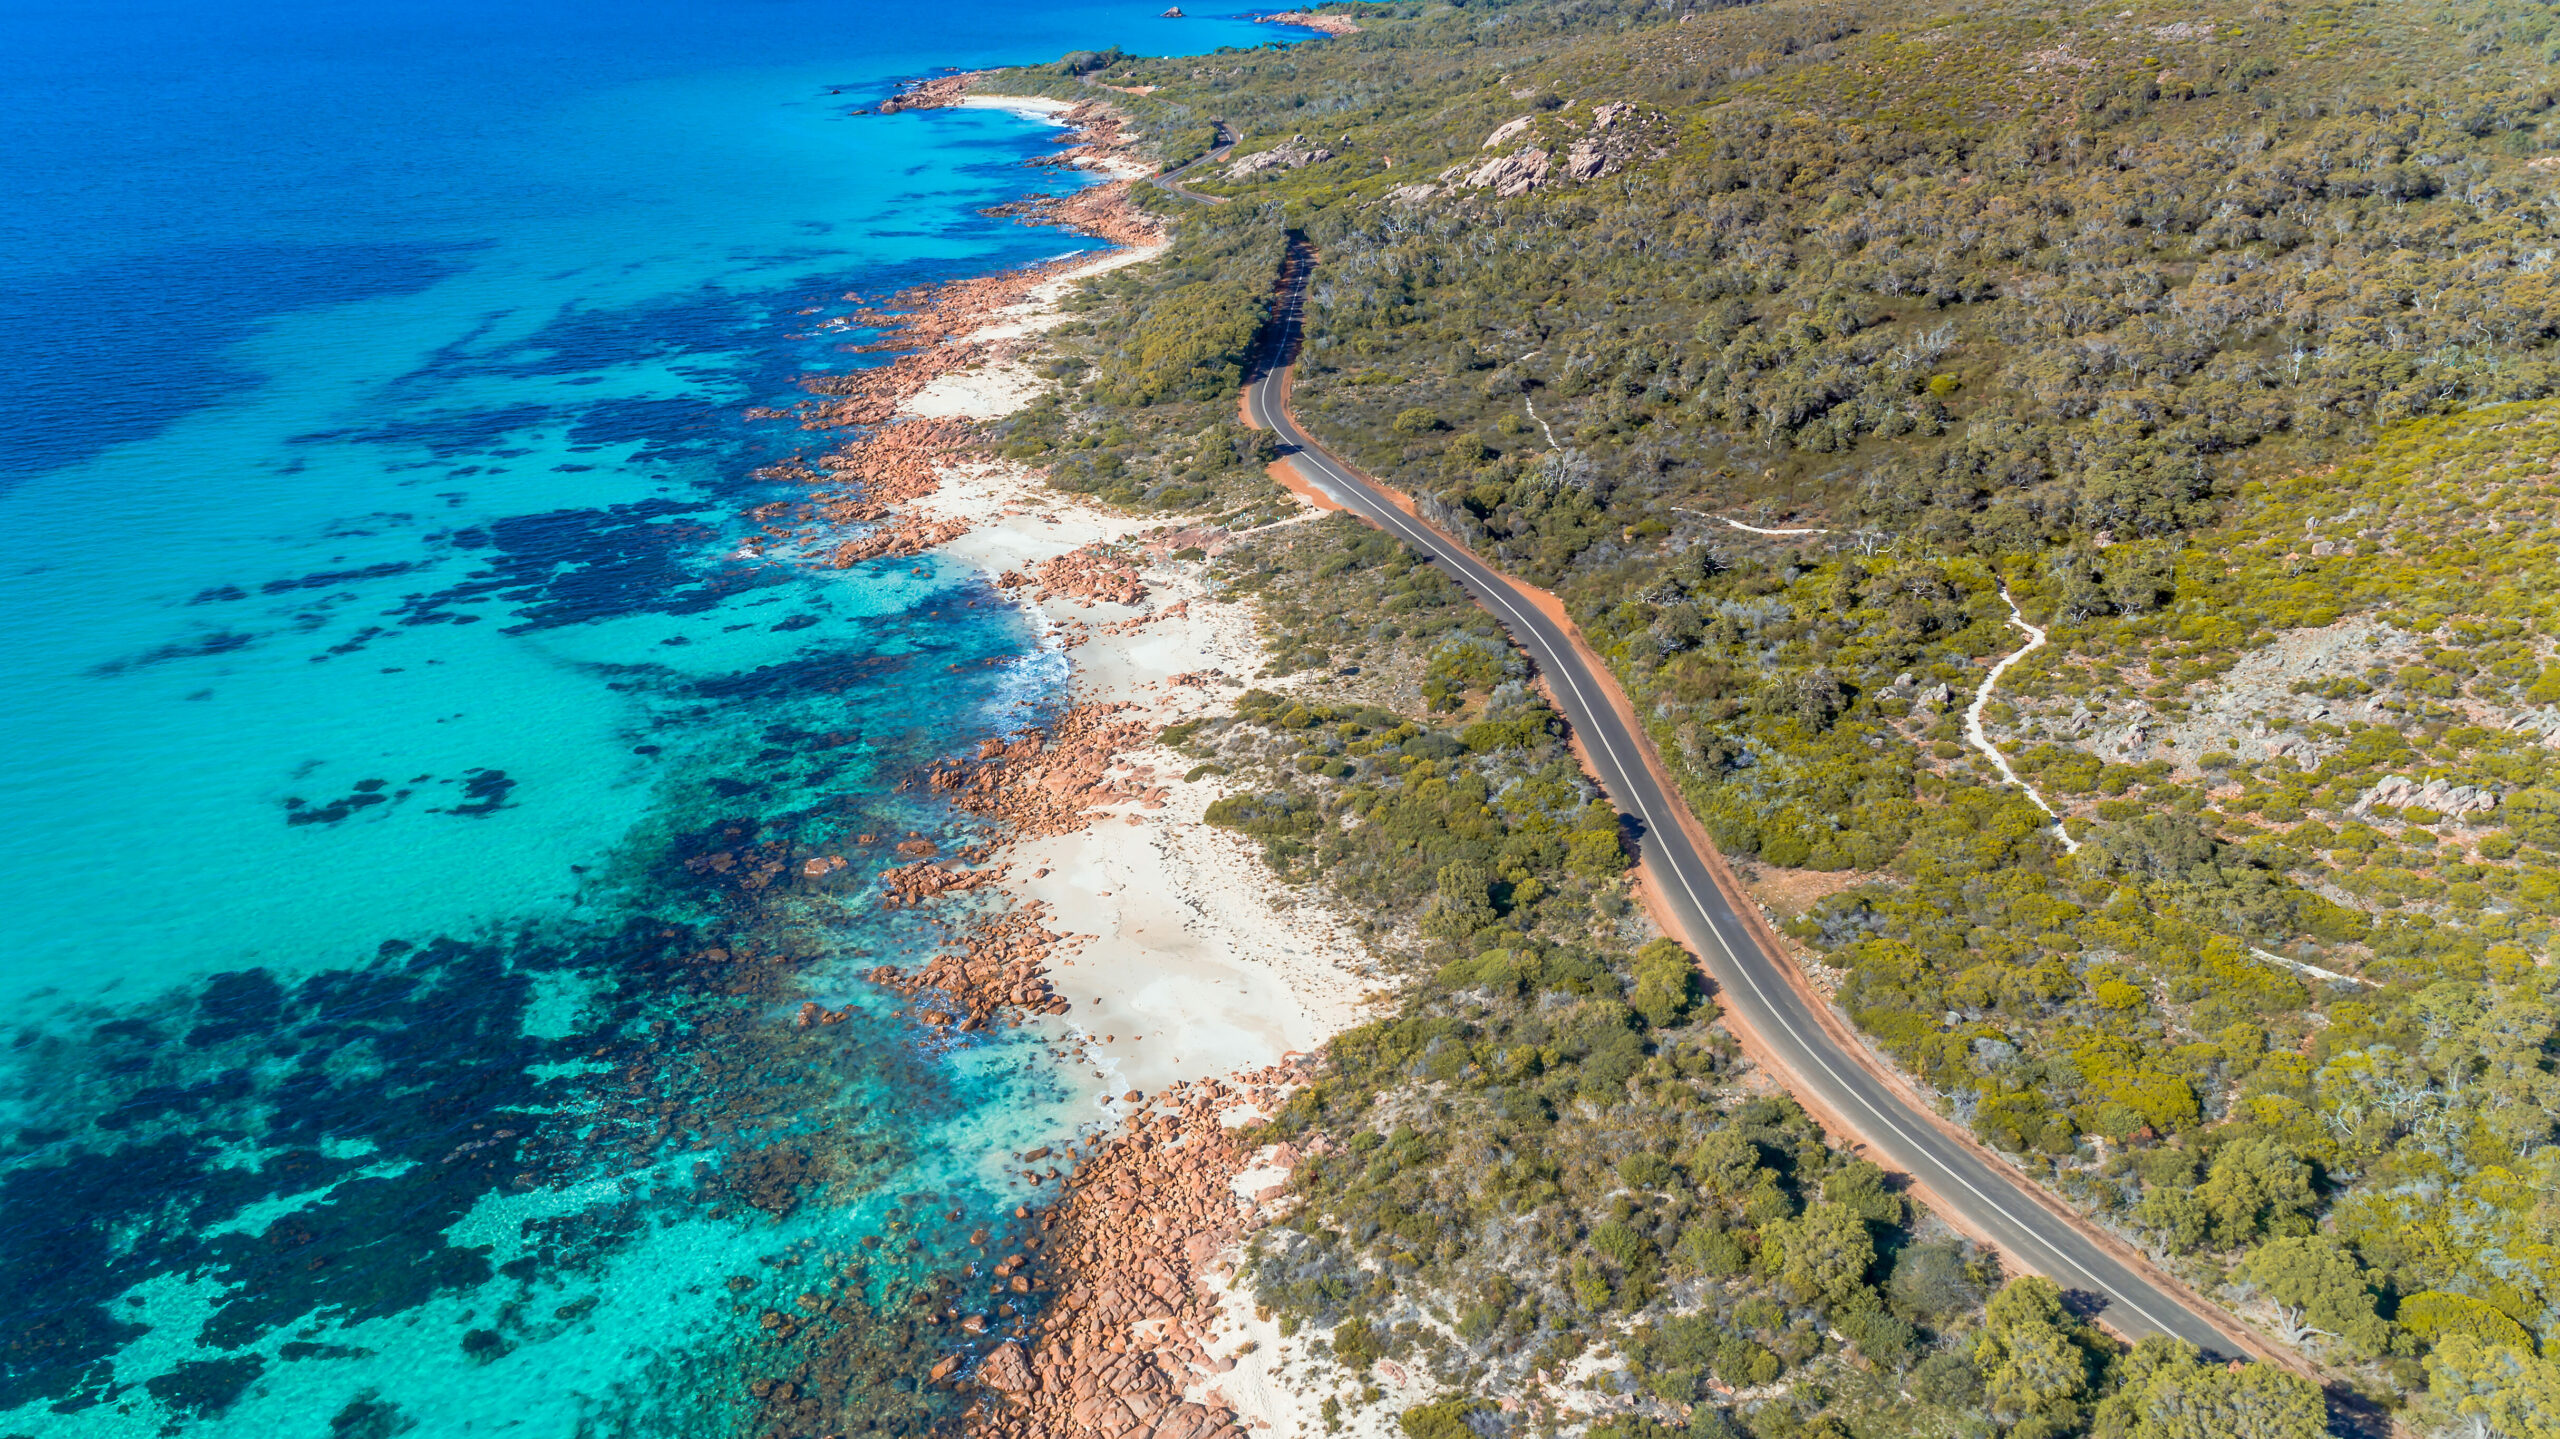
324,1161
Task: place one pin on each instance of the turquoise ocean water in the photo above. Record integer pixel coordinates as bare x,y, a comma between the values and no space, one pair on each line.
404,776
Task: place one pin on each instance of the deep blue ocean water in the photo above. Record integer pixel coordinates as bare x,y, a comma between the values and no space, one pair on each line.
397,1031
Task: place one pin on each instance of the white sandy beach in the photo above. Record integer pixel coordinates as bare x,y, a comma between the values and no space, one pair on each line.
1200,963
1039,107
1191,960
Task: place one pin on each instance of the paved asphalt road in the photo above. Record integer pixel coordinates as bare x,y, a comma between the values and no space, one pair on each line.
1752,984
1172,179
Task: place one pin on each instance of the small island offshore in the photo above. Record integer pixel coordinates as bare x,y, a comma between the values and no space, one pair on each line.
1789,720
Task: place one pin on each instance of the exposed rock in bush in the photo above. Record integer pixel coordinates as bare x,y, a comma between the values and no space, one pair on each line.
1291,154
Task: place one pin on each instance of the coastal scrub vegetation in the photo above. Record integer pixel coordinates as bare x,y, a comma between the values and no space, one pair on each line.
1550,1153
1549,1145
2218,338
1161,349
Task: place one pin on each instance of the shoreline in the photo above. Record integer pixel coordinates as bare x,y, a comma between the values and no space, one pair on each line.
1179,983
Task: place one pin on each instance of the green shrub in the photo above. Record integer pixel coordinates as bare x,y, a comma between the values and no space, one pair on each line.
1440,1419
2434,1315
1666,983
1646,1171
1710,1252
1358,1346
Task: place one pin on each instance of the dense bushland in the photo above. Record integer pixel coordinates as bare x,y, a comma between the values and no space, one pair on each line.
2217,338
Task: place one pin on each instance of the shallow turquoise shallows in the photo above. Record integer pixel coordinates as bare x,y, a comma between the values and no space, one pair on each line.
407,779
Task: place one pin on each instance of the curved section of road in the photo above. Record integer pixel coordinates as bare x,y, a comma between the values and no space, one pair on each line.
1172,179
1758,986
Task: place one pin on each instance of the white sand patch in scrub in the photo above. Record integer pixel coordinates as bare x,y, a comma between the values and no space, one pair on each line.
1279,1383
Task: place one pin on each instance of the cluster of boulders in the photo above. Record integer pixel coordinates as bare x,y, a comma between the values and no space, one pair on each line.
1294,153
913,884
1042,783
1618,134
1929,699
997,972
2544,722
1103,211
1512,175
1123,1349
2440,796
1088,574
749,869
888,468
2266,705
901,536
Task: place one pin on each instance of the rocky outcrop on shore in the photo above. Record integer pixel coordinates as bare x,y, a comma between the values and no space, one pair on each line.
1049,782
913,884
939,93
1034,783
1336,25
1086,574
1099,138
1103,211
932,332
995,974
1123,1348
900,537
899,458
